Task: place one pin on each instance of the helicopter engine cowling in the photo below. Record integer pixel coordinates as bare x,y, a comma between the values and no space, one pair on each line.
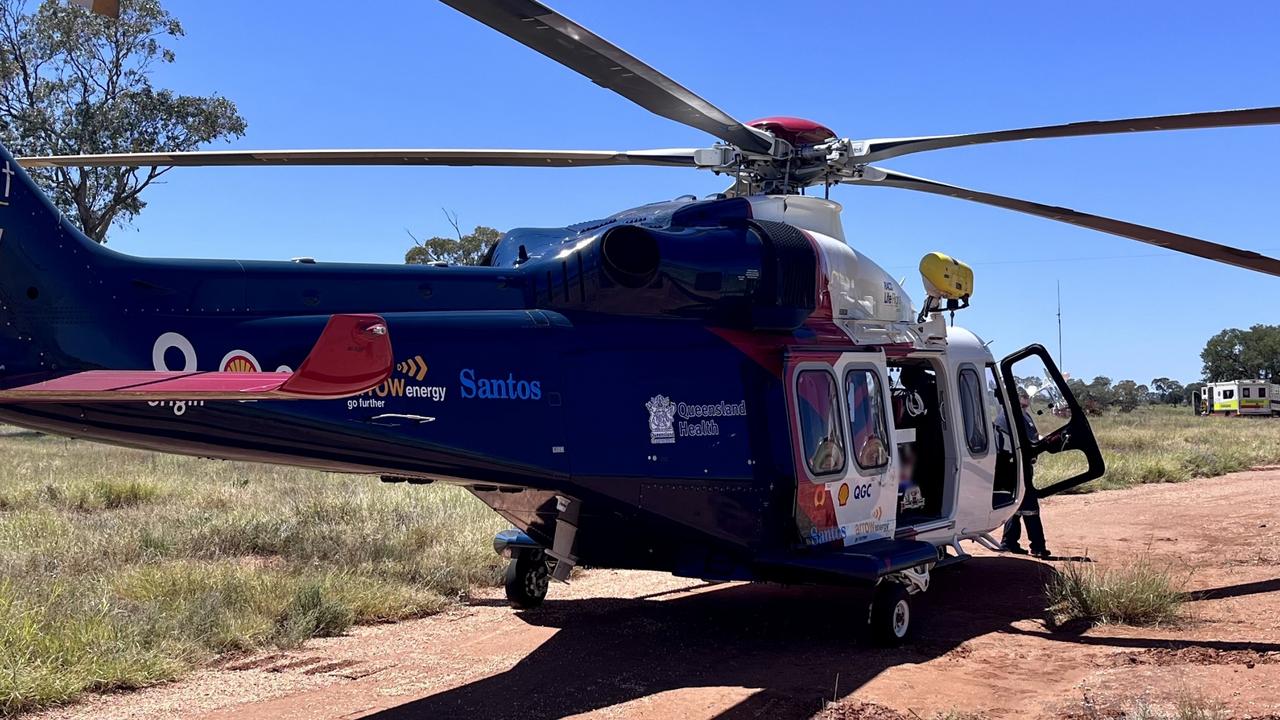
711,262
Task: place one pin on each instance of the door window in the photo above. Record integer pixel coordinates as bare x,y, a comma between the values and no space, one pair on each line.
1037,401
973,411
1049,421
867,428
818,401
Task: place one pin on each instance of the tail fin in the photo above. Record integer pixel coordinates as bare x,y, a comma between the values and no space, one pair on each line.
46,273
29,217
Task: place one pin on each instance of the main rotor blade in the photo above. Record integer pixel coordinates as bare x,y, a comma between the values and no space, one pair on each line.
884,148
607,65
1172,241
680,157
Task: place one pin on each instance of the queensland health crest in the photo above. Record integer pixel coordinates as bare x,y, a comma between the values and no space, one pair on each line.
662,415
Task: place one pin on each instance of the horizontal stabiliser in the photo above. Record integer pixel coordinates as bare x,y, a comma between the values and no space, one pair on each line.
352,355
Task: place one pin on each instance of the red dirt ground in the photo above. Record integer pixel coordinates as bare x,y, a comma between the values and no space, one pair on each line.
649,646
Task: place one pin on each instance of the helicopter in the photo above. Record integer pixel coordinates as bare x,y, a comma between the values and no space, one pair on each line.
722,388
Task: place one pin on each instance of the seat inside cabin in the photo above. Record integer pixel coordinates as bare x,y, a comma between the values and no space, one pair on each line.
922,446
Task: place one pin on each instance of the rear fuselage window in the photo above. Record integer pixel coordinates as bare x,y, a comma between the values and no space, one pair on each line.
973,410
818,403
868,430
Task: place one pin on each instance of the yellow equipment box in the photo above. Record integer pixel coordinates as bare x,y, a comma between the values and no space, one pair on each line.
945,277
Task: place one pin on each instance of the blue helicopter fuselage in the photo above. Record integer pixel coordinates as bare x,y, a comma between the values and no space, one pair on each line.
531,375
694,386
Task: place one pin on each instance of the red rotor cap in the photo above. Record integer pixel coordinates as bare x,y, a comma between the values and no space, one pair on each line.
796,131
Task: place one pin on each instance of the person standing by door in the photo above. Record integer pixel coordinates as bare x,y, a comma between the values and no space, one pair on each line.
1029,511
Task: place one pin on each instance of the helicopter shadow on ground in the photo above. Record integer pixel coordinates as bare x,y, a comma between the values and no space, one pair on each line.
788,643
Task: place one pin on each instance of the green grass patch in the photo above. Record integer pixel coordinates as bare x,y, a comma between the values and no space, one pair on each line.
1168,444
1141,592
121,569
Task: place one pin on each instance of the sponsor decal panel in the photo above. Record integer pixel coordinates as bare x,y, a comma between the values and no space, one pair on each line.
875,527
173,341
406,382
179,407
159,350
695,420
475,386
827,535
240,361
869,528
415,367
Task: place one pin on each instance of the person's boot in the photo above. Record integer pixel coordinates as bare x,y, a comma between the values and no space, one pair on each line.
1015,548
1042,553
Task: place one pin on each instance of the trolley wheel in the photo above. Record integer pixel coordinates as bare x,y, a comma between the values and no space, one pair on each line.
528,577
891,615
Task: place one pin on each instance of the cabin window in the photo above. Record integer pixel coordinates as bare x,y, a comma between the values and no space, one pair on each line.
973,411
818,399
867,428
1228,394
1244,392
1262,392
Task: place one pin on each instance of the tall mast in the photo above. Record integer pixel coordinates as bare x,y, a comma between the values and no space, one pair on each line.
1060,324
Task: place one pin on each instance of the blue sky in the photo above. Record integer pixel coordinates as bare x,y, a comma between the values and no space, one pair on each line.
395,74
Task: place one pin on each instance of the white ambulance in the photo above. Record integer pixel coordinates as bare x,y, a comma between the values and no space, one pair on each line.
1240,397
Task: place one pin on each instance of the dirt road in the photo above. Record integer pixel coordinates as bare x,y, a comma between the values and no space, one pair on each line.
644,645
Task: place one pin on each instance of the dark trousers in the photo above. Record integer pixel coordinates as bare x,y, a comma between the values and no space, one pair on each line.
1028,512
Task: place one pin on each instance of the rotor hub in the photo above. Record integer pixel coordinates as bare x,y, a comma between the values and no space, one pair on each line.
797,131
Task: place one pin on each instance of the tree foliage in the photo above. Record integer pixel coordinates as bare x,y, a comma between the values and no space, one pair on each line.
1236,354
1166,391
1101,394
73,83
468,249
1129,395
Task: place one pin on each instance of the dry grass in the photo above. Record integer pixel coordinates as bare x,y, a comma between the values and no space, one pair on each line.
1188,705
120,569
1141,592
1164,444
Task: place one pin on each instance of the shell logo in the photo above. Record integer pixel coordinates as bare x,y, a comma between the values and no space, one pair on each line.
239,361
843,495
820,498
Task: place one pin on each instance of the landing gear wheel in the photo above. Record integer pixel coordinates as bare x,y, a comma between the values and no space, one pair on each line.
528,576
890,616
